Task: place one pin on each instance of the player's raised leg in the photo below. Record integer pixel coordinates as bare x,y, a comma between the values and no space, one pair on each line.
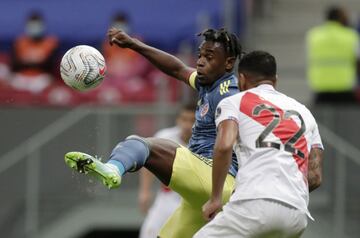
157,155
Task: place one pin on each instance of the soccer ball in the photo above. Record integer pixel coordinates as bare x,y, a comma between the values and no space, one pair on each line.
82,67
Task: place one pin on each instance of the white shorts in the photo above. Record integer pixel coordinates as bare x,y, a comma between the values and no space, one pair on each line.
164,205
255,218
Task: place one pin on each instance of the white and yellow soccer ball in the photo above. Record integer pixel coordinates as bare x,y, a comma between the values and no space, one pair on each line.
82,67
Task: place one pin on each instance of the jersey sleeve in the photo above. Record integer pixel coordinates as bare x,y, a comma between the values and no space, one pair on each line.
316,138
193,80
226,110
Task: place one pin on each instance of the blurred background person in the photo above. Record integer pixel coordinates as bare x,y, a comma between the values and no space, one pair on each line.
333,55
125,69
4,70
34,54
166,200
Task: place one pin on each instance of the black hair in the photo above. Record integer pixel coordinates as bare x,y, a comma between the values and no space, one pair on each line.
259,63
230,41
334,13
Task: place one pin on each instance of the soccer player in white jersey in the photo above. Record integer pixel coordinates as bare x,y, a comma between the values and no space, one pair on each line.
279,151
166,200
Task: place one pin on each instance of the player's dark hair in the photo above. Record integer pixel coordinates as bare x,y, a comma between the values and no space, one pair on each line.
259,63
230,41
334,13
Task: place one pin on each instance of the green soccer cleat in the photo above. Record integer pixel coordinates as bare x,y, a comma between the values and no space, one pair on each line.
84,163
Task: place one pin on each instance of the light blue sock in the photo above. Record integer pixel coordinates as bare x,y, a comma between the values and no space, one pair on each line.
130,155
119,165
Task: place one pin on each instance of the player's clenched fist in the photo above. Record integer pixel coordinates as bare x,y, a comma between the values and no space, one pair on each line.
119,38
211,208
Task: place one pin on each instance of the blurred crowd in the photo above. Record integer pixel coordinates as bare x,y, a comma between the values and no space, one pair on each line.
29,72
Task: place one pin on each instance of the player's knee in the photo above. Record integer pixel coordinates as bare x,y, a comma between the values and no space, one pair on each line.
139,138
151,143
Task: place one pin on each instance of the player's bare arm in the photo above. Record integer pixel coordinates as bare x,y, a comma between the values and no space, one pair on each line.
225,139
167,63
315,168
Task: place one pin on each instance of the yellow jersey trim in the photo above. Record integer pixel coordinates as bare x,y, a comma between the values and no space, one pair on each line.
192,79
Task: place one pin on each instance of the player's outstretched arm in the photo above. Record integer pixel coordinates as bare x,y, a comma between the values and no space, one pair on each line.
167,63
225,139
315,168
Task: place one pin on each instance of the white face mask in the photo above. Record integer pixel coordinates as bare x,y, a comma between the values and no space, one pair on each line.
121,26
35,28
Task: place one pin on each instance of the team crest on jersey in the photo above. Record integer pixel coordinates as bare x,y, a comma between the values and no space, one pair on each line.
204,109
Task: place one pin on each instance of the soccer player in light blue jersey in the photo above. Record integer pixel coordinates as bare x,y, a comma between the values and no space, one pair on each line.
185,170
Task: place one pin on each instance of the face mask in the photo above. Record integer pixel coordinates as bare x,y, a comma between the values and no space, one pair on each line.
122,26
35,29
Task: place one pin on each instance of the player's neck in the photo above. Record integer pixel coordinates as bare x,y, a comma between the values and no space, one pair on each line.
268,82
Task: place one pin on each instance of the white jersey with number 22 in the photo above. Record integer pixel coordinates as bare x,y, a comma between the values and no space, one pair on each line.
276,134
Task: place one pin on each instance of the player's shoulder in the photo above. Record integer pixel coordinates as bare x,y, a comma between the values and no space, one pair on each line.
300,107
297,104
292,101
225,87
233,99
168,133
229,80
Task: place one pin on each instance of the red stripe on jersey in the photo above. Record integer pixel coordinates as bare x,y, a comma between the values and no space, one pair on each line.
285,130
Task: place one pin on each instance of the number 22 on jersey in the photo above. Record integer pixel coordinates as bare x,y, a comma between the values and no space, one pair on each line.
280,123
289,145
